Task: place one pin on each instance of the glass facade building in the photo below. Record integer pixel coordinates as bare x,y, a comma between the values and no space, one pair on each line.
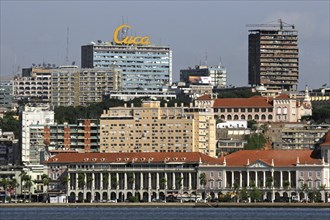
144,67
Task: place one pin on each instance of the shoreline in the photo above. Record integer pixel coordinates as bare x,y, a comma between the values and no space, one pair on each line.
166,205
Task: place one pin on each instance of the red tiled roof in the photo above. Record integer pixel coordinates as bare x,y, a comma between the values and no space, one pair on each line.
143,157
283,96
204,97
281,158
255,101
326,141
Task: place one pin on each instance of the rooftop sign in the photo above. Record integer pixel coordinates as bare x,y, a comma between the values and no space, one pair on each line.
137,40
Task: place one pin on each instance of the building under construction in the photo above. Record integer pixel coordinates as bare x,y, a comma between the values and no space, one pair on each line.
273,56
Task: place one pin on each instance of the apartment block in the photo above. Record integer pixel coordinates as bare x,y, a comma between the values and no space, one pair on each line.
72,86
273,58
152,128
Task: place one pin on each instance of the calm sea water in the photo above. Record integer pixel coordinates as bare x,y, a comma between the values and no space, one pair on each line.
153,213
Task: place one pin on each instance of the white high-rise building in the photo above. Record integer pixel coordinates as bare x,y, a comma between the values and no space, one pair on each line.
33,116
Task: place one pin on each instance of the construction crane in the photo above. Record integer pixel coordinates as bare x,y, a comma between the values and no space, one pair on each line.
280,24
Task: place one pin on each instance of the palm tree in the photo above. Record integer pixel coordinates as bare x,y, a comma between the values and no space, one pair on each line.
202,182
269,181
22,175
163,182
179,183
5,183
14,184
236,190
28,184
105,180
65,183
322,188
81,182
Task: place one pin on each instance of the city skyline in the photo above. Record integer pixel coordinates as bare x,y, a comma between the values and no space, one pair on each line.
197,32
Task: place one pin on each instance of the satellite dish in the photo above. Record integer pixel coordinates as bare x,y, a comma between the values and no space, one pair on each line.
73,63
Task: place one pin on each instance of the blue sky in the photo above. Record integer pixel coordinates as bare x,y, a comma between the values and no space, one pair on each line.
36,32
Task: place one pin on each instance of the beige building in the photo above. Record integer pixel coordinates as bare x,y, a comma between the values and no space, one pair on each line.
72,86
34,85
152,128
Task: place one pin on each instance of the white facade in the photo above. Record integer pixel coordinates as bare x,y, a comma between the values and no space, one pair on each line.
232,124
33,116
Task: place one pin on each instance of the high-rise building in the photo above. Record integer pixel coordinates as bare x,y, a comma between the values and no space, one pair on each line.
36,117
72,86
158,129
34,85
144,67
273,57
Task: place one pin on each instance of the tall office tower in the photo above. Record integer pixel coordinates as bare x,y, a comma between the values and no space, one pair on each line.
273,56
144,67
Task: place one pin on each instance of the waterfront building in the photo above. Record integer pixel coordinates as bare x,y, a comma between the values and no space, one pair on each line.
273,57
279,175
152,128
38,117
72,86
276,174
145,67
215,76
118,176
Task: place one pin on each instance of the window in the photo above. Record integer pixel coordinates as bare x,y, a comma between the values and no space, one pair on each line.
309,174
211,175
310,184
211,185
318,184
318,174
220,174
279,111
285,110
301,174
219,184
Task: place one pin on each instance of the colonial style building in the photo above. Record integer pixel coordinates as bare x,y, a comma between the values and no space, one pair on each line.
112,176
283,108
300,174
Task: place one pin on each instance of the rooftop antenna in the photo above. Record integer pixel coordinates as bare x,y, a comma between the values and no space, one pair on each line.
206,58
220,63
67,46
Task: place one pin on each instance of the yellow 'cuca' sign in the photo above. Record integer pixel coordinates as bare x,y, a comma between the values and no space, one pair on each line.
138,40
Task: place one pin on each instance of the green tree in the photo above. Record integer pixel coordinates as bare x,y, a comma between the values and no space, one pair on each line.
255,194
27,183
254,141
81,181
5,183
14,184
9,123
269,181
321,114
65,182
105,180
202,182
244,194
